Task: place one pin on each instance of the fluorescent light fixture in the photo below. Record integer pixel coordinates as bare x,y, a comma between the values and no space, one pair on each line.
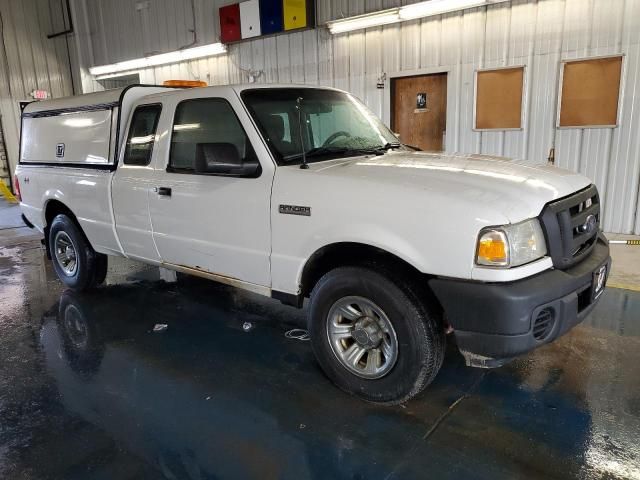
383,17
408,12
160,59
113,75
437,7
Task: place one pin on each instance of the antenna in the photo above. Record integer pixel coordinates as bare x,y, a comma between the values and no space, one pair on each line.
304,165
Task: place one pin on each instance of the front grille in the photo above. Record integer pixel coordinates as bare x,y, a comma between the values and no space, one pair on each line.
543,324
571,226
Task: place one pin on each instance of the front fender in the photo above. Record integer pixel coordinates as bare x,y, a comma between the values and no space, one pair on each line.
369,235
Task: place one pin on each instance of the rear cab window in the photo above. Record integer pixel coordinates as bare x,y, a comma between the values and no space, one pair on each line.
142,135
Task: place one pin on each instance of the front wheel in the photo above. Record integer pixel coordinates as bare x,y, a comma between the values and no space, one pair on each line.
373,337
76,263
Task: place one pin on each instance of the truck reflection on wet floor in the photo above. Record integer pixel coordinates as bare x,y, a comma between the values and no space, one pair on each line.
206,398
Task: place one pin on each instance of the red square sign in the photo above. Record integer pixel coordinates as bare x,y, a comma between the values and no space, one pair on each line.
230,23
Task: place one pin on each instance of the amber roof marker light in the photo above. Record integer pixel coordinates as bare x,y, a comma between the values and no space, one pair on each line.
184,83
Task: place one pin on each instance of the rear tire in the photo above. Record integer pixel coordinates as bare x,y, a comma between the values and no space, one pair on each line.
77,265
354,309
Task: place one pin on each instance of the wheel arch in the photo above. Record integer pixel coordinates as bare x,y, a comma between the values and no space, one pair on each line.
52,208
342,254
55,207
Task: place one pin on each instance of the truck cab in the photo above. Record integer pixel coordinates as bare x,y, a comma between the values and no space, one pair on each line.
299,192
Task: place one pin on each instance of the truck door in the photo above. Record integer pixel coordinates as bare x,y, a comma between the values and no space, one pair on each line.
132,182
218,220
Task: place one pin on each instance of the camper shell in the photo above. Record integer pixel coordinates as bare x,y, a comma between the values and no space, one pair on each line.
79,131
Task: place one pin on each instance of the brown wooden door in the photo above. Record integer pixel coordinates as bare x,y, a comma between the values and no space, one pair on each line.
419,110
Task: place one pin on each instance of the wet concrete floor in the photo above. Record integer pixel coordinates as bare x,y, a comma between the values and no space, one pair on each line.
89,391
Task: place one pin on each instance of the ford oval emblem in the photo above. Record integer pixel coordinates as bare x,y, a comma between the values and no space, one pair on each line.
589,224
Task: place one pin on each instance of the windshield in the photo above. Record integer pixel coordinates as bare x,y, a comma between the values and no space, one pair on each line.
334,124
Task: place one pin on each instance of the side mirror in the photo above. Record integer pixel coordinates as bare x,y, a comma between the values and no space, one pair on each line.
223,159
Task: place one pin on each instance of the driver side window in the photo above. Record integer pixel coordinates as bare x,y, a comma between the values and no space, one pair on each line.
202,124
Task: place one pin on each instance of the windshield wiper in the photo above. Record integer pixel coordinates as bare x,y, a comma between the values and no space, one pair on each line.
412,147
322,151
391,146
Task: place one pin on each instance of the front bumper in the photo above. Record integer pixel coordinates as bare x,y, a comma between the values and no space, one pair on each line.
494,322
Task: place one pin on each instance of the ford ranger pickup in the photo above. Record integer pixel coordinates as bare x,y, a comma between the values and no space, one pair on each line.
299,192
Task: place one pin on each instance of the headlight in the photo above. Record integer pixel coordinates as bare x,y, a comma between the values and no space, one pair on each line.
511,245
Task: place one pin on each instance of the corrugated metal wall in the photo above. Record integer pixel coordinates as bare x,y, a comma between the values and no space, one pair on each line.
538,34
32,61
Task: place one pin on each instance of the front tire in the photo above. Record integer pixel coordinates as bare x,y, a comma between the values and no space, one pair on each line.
77,265
373,336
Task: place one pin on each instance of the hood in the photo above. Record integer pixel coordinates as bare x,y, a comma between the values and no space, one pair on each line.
517,189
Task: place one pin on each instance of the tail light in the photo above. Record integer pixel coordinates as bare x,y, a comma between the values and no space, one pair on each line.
16,188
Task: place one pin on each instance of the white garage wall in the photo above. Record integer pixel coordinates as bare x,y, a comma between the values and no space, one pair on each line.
32,60
538,34
125,29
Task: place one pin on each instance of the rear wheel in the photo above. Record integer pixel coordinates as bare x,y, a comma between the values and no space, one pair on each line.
373,336
77,265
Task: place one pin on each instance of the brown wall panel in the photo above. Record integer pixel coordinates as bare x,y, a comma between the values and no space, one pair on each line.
499,98
590,92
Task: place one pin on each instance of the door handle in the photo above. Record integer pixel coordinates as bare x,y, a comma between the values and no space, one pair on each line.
165,191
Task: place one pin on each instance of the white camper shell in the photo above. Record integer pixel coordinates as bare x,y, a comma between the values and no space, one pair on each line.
78,131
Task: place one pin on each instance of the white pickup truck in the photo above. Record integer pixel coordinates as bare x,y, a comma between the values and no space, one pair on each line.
294,192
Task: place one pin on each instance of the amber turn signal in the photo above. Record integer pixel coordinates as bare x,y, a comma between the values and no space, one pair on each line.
493,249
